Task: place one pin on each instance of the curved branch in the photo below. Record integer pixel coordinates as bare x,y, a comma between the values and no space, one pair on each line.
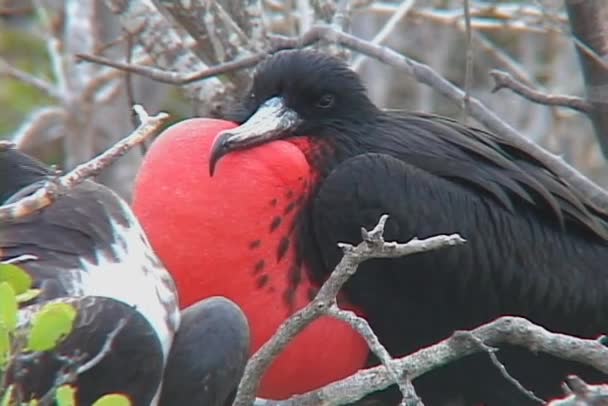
53,188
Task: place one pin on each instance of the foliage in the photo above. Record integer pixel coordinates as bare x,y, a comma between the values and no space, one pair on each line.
49,326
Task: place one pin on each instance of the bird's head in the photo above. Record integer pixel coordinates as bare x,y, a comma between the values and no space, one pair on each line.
295,93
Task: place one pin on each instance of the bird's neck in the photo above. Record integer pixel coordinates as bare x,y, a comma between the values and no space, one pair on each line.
324,152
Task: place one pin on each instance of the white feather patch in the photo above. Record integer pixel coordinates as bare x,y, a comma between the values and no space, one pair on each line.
133,274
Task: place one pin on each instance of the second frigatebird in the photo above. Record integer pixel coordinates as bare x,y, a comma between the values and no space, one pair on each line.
88,249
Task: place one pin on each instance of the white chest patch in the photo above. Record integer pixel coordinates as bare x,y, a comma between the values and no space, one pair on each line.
130,271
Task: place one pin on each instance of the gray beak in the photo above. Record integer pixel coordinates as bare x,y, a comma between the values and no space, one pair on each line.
271,121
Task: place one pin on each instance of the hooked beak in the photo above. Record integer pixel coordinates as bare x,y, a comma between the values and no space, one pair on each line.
271,121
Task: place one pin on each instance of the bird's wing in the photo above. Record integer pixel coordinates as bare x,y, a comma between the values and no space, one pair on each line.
77,226
87,242
511,261
509,173
18,170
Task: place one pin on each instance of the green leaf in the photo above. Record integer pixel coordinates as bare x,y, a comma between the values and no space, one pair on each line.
113,399
17,277
50,325
5,346
65,395
8,396
28,295
8,306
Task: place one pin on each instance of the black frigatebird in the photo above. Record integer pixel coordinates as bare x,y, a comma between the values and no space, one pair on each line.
313,160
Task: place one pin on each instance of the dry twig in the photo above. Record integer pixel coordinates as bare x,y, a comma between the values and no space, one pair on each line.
505,80
505,330
53,188
582,394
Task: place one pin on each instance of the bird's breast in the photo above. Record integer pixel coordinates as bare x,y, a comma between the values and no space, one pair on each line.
235,235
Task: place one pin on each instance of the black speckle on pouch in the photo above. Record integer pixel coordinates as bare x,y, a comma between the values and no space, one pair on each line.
262,281
282,249
259,266
255,244
276,222
289,208
273,202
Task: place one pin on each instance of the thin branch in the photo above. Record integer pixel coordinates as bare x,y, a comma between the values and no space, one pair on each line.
38,83
105,350
54,46
364,329
71,369
491,351
582,394
38,121
589,26
468,67
493,16
177,78
53,188
514,67
505,330
504,80
386,30
373,246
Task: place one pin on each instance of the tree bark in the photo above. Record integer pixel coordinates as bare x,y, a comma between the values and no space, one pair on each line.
589,24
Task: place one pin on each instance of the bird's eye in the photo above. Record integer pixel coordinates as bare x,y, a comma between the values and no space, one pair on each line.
251,96
326,101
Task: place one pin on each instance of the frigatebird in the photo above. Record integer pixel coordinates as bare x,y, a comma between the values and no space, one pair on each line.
310,160
88,249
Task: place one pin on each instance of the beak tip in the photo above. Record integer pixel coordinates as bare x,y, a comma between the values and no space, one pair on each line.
218,150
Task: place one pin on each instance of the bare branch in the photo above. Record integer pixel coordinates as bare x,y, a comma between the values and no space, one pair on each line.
589,24
162,42
217,37
581,394
38,121
505,80
468,69
491,351
504,330
40,84
53,188
72,367
176,78
513,17
373,246
364,329
105,350
386,31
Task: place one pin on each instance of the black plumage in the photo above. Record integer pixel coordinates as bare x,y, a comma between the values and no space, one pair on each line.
90,252
535,246
67,241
